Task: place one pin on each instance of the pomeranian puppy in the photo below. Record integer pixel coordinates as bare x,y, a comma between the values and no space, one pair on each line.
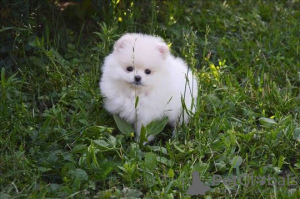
142,66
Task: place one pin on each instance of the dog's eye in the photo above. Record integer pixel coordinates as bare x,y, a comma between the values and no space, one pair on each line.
147,71
129,68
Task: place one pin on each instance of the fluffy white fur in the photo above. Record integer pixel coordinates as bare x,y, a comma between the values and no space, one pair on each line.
160,92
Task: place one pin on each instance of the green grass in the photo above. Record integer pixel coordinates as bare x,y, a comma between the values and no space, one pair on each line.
57,141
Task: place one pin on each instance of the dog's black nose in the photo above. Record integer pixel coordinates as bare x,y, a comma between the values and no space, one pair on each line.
137,78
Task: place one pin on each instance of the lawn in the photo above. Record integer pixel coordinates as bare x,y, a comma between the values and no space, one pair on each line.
57,140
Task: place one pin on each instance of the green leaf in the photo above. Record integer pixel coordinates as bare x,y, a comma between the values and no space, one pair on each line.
10,28
168,188
171,173
267,122
3,77
123,126
112,140
159,149
136,101
155,127
236,162
143,135
281,161
84,122
99,129
220,165
263,120
101,144
247,136
150,161
67,167
106,167
132,193
296,135
179,149
170,151
79,173
164,161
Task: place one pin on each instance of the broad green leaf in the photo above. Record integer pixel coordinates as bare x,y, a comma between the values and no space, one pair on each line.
236,162
79,173
296,135
171,173
267,122
132,193
101,144
160,149
123,126
112,140
164,160
150,161
155,127
84,122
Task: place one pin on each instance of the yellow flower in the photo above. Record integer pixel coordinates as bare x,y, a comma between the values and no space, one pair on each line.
120,19
222,62
214,71
132,135
205,77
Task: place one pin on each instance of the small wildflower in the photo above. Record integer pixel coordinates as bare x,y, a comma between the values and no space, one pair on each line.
222,62
132,135
214,71
205,77
120,19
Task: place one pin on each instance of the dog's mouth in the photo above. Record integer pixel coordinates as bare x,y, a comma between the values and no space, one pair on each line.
136,83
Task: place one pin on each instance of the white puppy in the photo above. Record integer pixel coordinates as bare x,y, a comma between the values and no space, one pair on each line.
142,66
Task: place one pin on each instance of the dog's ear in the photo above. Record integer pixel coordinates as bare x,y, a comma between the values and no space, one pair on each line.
163,50
123,41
